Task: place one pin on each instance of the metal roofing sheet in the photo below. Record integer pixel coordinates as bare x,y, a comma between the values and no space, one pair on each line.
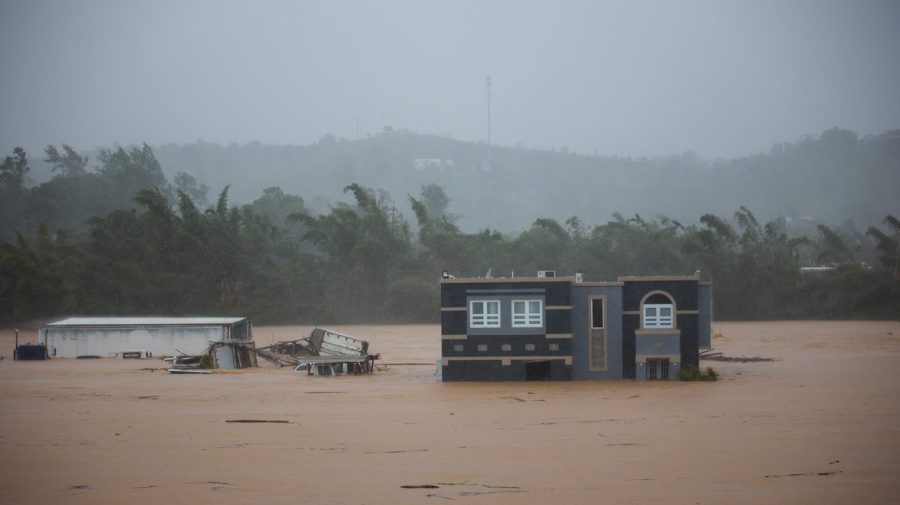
146,321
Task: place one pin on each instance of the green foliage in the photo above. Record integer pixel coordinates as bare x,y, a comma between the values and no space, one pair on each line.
67,163
413,299
831,248
14,170
122,240
693,373
187,184
13,194
888,244
436,201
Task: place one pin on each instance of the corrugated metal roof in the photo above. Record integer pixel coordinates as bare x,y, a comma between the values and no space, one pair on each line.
147,321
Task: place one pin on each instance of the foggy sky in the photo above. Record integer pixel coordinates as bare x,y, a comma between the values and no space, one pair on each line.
720,78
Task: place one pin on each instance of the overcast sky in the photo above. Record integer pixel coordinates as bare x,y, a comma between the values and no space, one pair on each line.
632,78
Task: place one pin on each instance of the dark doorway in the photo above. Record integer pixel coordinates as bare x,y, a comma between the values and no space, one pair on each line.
657,369
539,371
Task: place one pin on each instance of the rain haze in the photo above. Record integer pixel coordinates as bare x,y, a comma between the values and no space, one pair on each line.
721,79
488,192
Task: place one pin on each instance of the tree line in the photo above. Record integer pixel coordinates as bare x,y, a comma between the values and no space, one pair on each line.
123,240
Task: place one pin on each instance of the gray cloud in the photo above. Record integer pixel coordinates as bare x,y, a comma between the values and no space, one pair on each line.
720,78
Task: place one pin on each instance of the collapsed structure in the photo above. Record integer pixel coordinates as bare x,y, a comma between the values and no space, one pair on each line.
197,344
228,355
561,328
324,352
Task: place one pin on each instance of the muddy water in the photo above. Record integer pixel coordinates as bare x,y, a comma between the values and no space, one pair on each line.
820,424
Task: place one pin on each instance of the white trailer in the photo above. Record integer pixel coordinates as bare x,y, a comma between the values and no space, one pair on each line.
161,336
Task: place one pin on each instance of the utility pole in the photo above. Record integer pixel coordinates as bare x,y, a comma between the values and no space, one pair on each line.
487,83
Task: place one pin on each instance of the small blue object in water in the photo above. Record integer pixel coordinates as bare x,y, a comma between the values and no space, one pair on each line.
31,352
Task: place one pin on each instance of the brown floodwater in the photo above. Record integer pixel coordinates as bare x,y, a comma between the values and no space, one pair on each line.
820,424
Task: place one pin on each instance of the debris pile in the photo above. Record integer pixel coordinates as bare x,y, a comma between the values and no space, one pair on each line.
717,356
224,354
324,352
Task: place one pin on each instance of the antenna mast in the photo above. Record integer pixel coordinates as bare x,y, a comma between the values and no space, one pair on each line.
487,83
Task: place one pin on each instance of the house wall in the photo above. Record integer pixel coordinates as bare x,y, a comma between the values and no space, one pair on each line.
581,332
239,331
565,339
71,342
685,295
505,300
704,319
690,328
658,343
495,370
478,353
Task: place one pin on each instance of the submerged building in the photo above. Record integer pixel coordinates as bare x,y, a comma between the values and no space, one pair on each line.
560,328
111,336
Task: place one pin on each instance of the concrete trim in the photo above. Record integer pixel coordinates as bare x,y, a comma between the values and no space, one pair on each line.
558,335
673,358
453,309
494,280
631,312
657,331
667,295
454,337
652,278
687,312
506,360
590,333
506,291
600,284
558,307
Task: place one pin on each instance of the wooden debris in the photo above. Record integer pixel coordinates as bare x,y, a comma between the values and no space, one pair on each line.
808,474
395,452
278,421
717,356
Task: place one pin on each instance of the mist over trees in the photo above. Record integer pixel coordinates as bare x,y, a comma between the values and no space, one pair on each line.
831,177
119,237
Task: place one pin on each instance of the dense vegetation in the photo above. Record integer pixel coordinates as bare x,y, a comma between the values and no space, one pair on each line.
153,247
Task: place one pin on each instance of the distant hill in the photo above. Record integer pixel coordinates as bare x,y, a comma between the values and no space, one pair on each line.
832,177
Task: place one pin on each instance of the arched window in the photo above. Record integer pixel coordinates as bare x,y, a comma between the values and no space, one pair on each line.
658,310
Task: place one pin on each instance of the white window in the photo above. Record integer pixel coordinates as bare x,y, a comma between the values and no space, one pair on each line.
484,314
553,347
529,347
482,347
527,314
658,315
506,347
459,347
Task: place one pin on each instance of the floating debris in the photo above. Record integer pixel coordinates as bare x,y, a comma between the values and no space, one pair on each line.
324,352
278,421
224,354
717,356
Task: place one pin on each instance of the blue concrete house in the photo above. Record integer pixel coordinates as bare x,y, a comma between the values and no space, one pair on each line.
560,328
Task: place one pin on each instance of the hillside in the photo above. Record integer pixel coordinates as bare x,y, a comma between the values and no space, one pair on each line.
833,177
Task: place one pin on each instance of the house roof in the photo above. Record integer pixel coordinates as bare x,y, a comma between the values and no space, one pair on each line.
147,321
471,280
618,281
